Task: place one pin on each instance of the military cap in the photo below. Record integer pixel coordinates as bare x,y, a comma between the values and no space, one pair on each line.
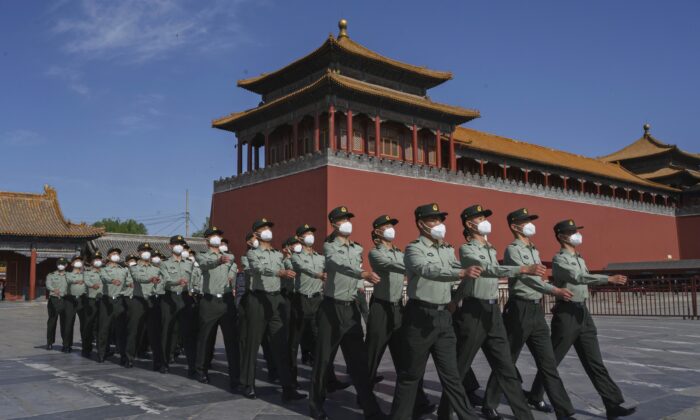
144,247
76,257
131,257
262,223
339,213
114,249
177,239
305,228
429,210
566,226
97,256
224,241
157,253
213,231
384,219
474,211
249,236
291,241
62,261
520,215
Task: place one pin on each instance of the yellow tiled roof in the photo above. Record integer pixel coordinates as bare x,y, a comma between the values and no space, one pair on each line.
531,152
668,171
23,214
647,145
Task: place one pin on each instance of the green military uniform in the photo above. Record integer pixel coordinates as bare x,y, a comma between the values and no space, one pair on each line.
431,268
340,322
525,323
93,283
57,286
112,317
572,324
478,322
216,309
73,301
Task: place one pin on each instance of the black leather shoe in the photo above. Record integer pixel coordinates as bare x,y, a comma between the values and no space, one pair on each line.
318,415
164,369
249,392
49,347
69,350
100,359
491,414
539,405
424,410
202,377
291,394
337,386
474,399
128,364
619,411
296,386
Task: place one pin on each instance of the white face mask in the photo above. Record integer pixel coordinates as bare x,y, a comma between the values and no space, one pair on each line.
255,243
345,228
297,248
266,235
576,239
309,240
438,231
97,263
529,230
223,248
185,254
389,234
132,263
215,241
77,264
61,267
484,227
114,258
146,255
155,260
178,249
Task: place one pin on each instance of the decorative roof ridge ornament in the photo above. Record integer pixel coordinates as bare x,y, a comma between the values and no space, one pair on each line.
343,28
646,128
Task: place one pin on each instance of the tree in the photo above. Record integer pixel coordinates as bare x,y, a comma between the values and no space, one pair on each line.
200,233
119,226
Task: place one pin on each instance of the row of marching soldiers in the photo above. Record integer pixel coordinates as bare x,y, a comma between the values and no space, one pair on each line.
297,296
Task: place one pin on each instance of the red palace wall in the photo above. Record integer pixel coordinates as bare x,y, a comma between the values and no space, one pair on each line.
610,234
689,236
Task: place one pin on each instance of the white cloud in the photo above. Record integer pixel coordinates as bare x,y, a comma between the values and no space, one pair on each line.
21,137
72,77
144,114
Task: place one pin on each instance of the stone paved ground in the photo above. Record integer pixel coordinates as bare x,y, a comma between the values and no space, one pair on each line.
655,361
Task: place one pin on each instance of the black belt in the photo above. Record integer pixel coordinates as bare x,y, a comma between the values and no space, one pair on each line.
386,302
533,301
311,296
424,304
339,302
216,296
264,292
485,301
171,293
577,304
111,298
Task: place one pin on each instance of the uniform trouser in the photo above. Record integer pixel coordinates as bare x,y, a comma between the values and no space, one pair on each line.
73,306
479,325
143,316
112,320
302,321
215,312
266,316
340,324
361,299
572,325
383,330
525,324
267,354
57,314
190,328
87,329
176,319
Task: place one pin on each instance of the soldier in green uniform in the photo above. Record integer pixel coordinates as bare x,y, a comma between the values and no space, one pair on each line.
386,305
479,324
57,286
73,301
572,324
155,317
339,318
215,309
93,284
266,313
431,268
524,320
114,278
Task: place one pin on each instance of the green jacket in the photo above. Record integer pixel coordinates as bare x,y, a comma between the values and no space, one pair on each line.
570,271
431,269
92,277
245,266
308,267
286,283
112,271
215,275
142,274
525,286
483,255
56,282
263,266
172,271
344,268
389,265
74,287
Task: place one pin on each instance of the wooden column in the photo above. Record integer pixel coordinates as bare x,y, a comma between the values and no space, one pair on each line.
317,133
414,144
239,158
481,167
546,178
582,182
32,275
377,135
348,145
453,158
614,190
628,190
331,127
295,139
565,178
249,167
597,187
256,157
666,200
505,171
267,148
527,173
438,150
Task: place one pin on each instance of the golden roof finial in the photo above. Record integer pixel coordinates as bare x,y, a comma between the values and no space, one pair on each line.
646,127
343,26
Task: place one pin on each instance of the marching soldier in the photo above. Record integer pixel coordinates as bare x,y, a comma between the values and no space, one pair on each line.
386,306
572,324
57,286
129,303
339,318
426,328
266,313
479,322
114,278
93,283
524,320
216,310
73,301
192,299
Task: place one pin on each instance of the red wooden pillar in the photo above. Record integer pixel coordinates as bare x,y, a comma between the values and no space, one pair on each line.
481,167
666,200
377,134
267,148
597,188
628,190
505,171
317,133
438,150
614,191
295,139
583,184
249,168
32,275
348,146
239,157
331,127
527,173
565,178
453,158
546,178
414,144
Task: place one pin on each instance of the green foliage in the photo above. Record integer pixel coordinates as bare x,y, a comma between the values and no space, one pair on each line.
200,233
119,226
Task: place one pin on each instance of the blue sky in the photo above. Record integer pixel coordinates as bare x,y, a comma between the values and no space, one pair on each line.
111,101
